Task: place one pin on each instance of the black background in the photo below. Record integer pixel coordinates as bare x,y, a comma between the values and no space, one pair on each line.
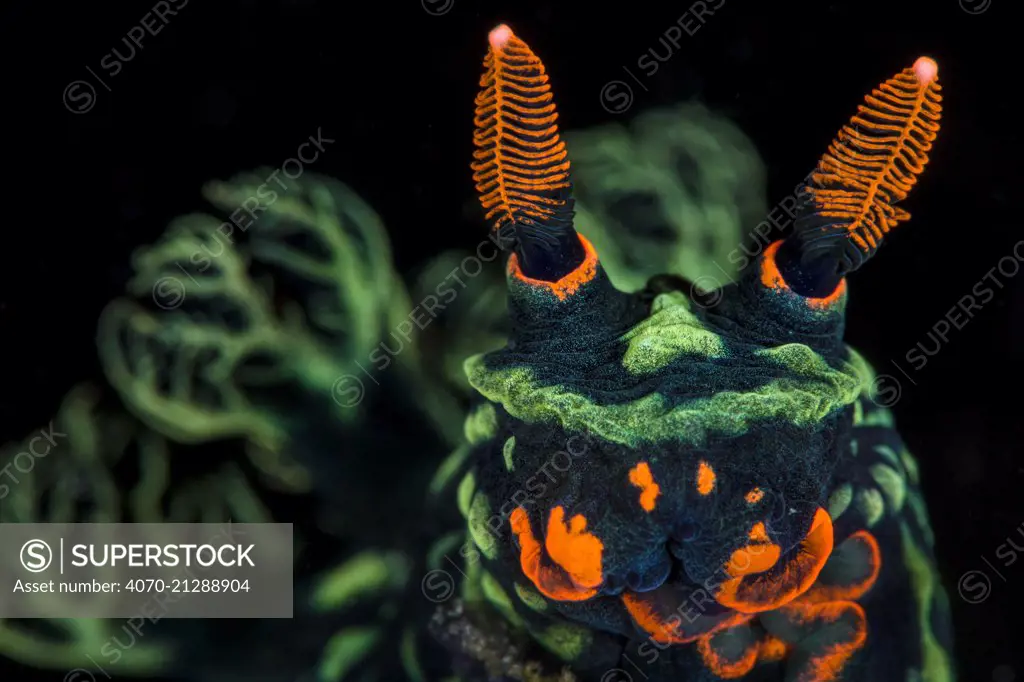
233,84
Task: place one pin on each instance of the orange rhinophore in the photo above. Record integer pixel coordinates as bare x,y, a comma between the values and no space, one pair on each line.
872,164
520,166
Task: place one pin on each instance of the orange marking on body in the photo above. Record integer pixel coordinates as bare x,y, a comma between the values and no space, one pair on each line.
759,533
826,593
644,615
552,581
570,283
827,662
574,549
727,669
520,164
771,649
771,278
641,477
754,558
705,478
754,496
767,590
875,159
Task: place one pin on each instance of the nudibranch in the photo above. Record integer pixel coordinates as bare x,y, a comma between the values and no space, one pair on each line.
688,486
